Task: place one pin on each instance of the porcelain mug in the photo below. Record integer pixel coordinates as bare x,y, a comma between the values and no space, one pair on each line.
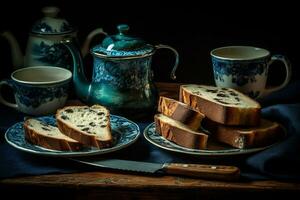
38,90
245,68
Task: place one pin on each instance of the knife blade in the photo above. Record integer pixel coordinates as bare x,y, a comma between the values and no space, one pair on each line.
216,172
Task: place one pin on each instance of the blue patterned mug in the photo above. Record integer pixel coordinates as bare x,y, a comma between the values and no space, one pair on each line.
245,68
38,90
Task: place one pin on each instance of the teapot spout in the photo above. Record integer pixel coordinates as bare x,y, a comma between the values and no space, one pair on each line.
17,56
79,80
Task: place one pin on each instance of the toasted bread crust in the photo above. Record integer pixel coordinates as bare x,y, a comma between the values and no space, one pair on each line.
219,113
180,112
245,137
179,136
49,142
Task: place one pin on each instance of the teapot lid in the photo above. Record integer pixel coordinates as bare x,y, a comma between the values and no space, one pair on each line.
122,45
51,24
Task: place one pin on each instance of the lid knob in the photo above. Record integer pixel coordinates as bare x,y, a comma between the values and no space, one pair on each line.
50,11
122,44
123,29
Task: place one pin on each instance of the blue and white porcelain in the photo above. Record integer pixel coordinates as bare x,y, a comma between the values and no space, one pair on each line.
122,77
38,90
44,46
124,131
51,24
245,68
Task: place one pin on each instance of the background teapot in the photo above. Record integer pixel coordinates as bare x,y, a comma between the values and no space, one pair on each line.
122,78
44,44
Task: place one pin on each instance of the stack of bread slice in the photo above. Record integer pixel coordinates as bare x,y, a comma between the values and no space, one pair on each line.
77,127
179,123
229,116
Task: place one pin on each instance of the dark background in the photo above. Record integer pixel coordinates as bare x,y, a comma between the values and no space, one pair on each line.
194,29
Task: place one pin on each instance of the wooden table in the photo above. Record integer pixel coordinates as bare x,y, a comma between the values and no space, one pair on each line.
106,184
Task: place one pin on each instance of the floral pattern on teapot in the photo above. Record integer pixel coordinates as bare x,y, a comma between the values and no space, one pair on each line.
126,74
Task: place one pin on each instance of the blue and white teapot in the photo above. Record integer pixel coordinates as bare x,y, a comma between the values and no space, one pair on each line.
122,77
44,46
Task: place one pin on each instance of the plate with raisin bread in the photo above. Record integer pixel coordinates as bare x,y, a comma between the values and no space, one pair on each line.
212,148
213,121
123,132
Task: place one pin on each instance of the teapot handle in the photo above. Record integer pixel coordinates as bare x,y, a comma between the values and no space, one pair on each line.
86,45
162,46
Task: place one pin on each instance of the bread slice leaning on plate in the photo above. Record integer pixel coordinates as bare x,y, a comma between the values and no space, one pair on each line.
179,133
42,134
180,111
88,125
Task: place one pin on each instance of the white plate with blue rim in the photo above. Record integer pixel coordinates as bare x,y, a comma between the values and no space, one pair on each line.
124,131
213,148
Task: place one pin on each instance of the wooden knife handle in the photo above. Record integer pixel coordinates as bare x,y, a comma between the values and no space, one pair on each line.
216,172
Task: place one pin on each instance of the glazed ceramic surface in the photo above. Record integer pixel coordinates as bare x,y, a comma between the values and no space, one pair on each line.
38,90
245,69
125,133
122,77
51,24
48,50
124,85
44,45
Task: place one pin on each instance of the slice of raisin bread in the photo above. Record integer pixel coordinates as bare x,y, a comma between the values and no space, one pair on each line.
266,133
45,135
88,125
180,112
222,105
179,133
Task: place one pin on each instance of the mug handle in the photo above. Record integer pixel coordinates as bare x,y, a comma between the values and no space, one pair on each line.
162,46
2,100
288,69
86,45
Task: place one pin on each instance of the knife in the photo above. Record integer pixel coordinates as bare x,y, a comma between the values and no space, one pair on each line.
216,172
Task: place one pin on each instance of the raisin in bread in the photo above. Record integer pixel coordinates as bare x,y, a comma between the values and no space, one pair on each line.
88,125
45,135
179,133
266,133
222,105
180,112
